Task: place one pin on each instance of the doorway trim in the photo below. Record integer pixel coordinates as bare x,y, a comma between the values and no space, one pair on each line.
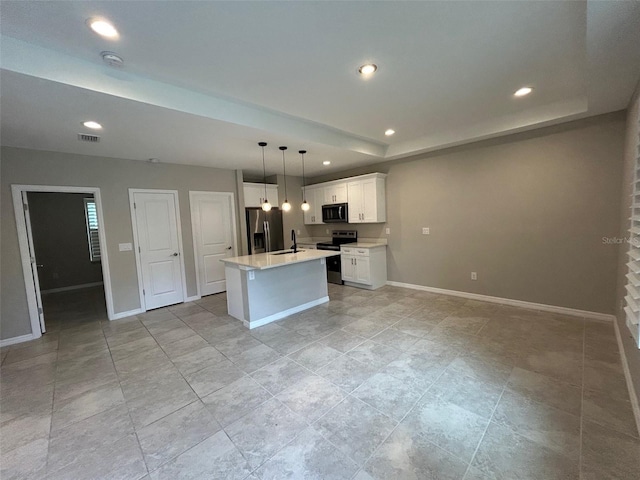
196,222
23,243
136,244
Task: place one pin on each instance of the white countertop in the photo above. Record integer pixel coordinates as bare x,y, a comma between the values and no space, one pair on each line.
363,245
262,261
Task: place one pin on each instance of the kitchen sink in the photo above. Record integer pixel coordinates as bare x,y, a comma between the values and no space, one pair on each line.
285,252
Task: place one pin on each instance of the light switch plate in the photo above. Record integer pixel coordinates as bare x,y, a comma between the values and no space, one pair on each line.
125,247
425,230
387,231
252,275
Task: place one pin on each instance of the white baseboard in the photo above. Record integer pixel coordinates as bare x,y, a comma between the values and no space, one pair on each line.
635,405
284,313
118,316
13,340
603,317
193,299
71,287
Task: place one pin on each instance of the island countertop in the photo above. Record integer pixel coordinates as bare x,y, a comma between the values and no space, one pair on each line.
263,261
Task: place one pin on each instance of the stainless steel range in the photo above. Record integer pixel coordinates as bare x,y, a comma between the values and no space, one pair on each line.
334,267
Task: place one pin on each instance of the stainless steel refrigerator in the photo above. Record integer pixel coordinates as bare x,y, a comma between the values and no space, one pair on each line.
264,230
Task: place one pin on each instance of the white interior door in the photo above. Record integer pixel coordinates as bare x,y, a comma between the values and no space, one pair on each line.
156,221
34,262
212,220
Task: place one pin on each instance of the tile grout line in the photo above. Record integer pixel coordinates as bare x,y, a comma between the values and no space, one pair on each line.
400,421
475,452
126,403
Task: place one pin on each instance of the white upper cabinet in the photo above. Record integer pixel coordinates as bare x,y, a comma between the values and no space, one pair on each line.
254,194
366,196
335,193
315,199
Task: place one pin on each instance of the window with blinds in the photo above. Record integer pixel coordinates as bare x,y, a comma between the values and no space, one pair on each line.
632,309
93,236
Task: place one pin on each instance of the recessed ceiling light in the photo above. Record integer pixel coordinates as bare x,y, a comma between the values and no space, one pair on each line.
521,92
102,27
326,162
367,69
93,125
389,132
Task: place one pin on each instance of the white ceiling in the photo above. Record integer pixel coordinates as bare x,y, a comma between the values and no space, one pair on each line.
203,82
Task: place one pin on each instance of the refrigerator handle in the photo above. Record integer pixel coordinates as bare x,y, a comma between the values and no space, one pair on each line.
267,243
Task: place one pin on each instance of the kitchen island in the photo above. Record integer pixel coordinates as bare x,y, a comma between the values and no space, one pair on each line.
266,287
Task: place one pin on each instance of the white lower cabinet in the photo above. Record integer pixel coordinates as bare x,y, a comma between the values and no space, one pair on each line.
364,267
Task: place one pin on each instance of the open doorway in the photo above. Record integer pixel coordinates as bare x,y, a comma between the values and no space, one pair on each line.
84,292
66,244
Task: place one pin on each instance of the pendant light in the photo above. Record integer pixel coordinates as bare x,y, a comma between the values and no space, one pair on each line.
266,206
286,206
305,206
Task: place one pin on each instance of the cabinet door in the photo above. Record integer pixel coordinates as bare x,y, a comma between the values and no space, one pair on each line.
272,195
329,195
348,267
335,193
253,195
369,201
354,193
362,270
309,214
340,192
315,197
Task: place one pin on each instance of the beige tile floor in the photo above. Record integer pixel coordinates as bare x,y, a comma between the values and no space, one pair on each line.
390,384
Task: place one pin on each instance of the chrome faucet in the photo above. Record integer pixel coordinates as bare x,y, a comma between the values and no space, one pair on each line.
294,247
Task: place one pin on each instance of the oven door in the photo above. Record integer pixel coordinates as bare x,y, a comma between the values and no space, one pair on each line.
335,213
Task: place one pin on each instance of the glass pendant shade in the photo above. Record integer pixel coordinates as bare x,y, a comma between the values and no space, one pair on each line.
305,206
286,206
266,206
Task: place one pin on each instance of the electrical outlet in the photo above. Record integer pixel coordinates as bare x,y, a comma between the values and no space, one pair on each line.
298,232
252,275
125,247
474,275
425,230
387,231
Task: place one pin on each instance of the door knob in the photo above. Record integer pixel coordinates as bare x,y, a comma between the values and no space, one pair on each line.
175,254
229,248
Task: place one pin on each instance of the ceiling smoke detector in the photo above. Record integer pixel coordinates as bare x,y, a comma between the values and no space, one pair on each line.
112,59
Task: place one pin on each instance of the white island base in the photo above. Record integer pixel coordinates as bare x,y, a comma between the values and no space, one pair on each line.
275,288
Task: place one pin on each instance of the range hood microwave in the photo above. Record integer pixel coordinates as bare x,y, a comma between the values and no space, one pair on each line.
335,213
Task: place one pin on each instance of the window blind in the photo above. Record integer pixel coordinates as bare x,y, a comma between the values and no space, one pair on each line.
632,299
93,235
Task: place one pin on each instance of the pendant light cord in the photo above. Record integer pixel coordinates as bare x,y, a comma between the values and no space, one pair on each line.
284,169
264,174
304,181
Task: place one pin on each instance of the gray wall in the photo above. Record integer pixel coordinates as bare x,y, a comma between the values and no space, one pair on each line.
631,351
526,212
294,218
59,227
114,177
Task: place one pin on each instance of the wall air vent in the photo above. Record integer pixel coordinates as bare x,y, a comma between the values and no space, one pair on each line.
83,137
